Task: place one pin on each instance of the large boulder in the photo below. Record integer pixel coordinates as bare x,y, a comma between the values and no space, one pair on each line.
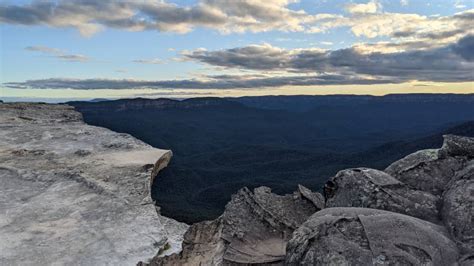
370,188
359,236
458,146
458,209
426,170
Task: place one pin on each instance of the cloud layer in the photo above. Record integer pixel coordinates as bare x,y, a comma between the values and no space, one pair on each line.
415,47
299,67
227,16
450,63
57,53
90,16
211,82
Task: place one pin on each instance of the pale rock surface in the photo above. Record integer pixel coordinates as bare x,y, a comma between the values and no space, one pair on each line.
75,194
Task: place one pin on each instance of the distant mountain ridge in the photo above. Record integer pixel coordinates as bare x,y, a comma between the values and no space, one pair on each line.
160,103
303,103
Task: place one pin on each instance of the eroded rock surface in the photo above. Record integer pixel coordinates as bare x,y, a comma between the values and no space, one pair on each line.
426,170
370,188
254,229
359,236
458,146
458,209
202,245
74,194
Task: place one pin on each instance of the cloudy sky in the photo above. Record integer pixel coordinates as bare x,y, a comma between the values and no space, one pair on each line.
185,48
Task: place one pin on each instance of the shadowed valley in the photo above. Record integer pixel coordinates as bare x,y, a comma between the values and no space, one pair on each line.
223,144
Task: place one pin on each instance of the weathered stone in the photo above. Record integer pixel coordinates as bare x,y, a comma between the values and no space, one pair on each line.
257,225
359,236
202,245
425,170
254,229
458,209
457,146
370,188
74,194
316,198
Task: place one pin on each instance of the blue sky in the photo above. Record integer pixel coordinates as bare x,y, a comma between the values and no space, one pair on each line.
210,41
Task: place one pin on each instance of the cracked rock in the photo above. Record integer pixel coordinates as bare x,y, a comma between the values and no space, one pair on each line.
370,188
359,236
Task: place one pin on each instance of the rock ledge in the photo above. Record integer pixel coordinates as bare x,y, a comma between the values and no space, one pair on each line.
74,194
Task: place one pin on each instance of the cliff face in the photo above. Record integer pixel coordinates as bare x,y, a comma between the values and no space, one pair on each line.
418,211
72,193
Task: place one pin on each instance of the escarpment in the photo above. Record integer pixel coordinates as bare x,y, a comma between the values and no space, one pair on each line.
75,194
418,211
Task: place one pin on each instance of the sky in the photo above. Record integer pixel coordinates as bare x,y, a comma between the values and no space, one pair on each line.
84,49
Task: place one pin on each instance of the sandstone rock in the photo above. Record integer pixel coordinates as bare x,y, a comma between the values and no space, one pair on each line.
458,146
425,170
458,209
257,225
74,194
254,229
370,188
202,245
358,236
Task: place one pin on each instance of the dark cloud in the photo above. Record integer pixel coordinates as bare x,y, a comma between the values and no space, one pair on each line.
449,64
465,48
213,82
88,16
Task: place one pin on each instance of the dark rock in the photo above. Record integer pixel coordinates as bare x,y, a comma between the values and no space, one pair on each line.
316,198
369,188
202,245
418,212
425,170
254,229
357,236
458,146
258,224
458,209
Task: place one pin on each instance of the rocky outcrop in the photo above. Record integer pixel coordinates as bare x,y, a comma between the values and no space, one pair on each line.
426,170
74,194
369,188
254,229
418,211
458,209
359,236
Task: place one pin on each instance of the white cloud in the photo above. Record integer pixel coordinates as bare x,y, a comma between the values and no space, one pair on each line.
152,61
326,43
369,8
459,4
